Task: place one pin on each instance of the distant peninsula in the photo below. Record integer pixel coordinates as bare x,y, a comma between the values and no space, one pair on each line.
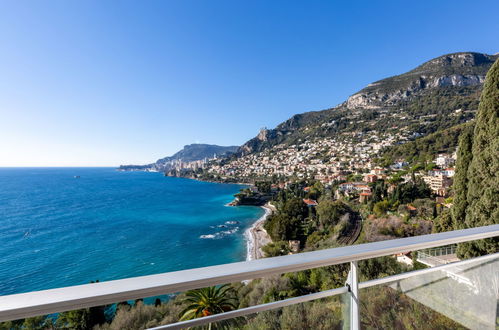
191,156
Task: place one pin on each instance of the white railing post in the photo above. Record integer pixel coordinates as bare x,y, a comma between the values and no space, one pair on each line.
353,288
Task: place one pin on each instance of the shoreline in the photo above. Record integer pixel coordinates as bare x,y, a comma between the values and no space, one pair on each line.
257,236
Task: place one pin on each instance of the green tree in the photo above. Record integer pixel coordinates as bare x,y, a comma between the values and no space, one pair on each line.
481,185
380,208
32,323
77,320
275,249
329,212
208,301
379,191
443,222
287,223
407,192
316,190
295,207
460,184
282,227
264,187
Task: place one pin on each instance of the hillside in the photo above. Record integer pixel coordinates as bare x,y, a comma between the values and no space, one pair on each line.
425,148
420,100
435,96
190,153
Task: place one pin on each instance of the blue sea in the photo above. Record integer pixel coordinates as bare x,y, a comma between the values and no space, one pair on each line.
69,226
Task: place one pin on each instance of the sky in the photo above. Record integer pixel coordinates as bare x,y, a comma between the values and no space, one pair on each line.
104,83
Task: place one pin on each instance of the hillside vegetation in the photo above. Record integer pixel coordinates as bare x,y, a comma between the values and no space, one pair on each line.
439,94
426,148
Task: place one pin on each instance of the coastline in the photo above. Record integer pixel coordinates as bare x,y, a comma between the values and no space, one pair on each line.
257,236
28,244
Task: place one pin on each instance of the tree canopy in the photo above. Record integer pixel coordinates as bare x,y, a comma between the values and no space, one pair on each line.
477,175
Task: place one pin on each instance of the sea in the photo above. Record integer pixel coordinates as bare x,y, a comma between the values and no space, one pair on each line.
68,226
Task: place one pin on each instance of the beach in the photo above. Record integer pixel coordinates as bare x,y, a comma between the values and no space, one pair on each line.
257,236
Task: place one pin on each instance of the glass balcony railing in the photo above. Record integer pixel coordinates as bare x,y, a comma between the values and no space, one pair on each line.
438,256
449,295
461,295
320,314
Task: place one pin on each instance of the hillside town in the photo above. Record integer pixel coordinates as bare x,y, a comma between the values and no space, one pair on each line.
325,159
348,163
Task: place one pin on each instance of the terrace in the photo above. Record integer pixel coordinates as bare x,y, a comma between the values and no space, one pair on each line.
463,291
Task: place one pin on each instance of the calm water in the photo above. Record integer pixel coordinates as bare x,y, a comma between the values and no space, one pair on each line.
58,230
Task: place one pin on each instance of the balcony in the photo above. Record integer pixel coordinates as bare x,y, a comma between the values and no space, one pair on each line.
465,292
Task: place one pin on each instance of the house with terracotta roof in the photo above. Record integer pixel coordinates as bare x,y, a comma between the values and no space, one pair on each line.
411,208
370,178
365,196
310,202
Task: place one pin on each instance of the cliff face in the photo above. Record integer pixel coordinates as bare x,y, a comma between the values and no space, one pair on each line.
460,70
259,142
435,88
378,98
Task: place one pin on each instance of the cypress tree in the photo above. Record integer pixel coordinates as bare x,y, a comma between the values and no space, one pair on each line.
460,185
443,222
482,186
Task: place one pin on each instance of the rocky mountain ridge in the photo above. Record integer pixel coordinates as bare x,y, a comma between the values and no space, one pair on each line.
459,69
437,87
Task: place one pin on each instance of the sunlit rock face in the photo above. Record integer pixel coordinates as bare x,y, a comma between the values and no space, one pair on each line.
457,80
460,70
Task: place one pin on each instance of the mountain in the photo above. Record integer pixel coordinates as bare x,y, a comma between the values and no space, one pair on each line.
193,152
190,153
453,70
433,90
434,97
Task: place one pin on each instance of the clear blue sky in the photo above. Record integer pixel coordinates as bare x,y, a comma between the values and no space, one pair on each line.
113,82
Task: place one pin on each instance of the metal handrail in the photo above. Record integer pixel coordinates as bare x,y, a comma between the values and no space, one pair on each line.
253,309
314,296
30,304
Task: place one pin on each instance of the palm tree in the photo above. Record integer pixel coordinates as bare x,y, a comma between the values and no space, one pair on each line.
208,301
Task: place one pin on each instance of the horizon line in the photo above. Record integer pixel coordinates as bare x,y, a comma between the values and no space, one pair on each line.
56,166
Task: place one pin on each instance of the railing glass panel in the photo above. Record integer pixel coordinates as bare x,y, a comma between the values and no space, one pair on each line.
322,314
460,295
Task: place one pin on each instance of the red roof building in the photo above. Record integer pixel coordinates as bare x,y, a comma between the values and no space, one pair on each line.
364,196
310,202
370,177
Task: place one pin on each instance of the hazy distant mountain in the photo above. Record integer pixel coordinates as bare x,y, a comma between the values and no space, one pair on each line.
189,153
